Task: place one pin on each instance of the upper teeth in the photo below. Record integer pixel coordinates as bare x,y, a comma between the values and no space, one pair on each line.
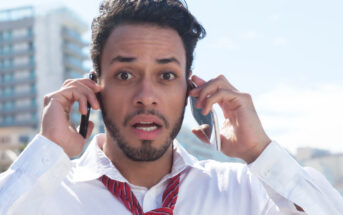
147,128
145,122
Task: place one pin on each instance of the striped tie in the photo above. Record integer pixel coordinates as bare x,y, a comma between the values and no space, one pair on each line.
123,192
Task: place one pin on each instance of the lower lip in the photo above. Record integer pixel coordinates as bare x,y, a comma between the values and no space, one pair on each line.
146,135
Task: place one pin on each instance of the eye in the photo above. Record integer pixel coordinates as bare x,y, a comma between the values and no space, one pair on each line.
168,76
124,76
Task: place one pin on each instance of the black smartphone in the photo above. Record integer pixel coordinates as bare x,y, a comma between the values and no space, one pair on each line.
85,117
213,133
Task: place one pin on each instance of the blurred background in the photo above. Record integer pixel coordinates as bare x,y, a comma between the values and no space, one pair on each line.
288,54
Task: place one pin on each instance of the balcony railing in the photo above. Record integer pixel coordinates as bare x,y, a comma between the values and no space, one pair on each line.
17,81
32,123
4,69
73,37
74,51
11,96
17,39
76,65
18,109
16,53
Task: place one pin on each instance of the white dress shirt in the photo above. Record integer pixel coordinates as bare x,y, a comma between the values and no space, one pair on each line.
43,180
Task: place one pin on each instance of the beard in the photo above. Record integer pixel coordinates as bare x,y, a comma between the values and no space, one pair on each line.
146,152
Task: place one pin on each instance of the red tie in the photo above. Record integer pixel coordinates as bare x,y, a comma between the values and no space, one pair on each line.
123,192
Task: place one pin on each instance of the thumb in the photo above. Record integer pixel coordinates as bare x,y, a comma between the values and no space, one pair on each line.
202,132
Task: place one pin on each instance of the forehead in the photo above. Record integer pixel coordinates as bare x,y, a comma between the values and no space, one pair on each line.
144,41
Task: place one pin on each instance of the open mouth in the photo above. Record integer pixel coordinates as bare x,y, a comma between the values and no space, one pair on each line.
146,126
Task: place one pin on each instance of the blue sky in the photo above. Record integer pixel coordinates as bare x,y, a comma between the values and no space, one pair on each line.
287,53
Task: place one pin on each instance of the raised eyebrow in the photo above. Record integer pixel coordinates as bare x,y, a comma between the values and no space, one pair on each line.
122,59
168,60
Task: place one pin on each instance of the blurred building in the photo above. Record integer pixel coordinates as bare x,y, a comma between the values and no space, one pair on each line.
199,149
37,53
330,165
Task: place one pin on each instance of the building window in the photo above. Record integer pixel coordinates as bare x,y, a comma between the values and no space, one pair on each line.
33,102
30,31
34,116
32,60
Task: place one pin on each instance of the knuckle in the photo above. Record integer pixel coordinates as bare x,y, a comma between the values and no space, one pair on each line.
246,96
66,82
222,90
221,77
46,100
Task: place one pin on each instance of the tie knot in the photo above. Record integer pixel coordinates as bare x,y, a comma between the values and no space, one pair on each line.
123,192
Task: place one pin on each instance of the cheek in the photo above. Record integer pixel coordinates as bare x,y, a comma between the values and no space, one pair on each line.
115,102
176,100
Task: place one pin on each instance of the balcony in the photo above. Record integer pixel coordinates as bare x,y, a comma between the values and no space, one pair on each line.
18,81
31,123
10,68
75,65
73,37
16,53
18,39
14,96
16,109
74,51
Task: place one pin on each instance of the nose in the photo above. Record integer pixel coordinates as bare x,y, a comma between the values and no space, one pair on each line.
146,94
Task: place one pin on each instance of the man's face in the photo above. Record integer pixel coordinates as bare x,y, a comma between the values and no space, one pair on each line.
144,89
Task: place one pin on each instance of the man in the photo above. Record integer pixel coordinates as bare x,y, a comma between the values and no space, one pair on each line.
142,51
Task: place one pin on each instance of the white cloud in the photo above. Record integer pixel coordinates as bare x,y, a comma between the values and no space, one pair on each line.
251,35
280,41
275,17
298,117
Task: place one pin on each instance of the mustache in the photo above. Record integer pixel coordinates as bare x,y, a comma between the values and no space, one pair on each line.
142,111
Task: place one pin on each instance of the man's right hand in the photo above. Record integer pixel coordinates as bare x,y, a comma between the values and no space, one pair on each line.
56,125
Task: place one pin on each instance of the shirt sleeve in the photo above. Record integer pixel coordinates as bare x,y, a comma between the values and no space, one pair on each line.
287,183
42,164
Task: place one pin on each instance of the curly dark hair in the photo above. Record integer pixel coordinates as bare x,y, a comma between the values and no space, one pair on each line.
164,13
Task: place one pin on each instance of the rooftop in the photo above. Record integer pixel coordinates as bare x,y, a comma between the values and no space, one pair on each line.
16,13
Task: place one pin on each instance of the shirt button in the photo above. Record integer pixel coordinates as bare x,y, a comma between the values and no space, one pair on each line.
266,173
45,160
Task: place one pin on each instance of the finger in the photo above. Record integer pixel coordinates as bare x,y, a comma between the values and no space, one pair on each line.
201,131
229,96
210,88
83,108
67,97
89,129
84,81
88,92
91,84
91,97
197,80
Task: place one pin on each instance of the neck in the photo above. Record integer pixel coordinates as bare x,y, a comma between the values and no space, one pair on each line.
140,173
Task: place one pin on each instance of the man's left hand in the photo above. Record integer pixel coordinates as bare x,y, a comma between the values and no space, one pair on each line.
242,134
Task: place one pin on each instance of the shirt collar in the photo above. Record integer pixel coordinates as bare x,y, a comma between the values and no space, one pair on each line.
94,163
